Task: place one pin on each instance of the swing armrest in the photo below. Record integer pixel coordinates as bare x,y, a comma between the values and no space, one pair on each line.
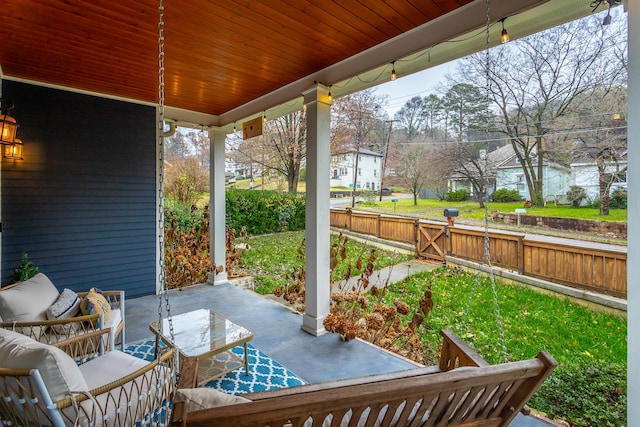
456,353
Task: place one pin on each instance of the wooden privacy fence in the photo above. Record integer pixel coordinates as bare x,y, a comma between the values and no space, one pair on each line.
586,265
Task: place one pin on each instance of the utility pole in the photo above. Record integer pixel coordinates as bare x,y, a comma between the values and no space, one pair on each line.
386,153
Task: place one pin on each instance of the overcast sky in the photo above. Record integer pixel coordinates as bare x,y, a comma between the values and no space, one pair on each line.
418,84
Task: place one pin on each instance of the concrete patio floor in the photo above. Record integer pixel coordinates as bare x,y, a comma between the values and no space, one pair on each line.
277,333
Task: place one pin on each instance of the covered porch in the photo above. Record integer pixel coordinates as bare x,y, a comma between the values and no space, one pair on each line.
84,82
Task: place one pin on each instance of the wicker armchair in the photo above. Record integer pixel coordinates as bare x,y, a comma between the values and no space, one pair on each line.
41,384
23,309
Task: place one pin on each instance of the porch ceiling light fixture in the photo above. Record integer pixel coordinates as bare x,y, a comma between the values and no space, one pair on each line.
394,75
504,38
8,125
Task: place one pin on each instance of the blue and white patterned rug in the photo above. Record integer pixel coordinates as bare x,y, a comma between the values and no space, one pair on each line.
264,372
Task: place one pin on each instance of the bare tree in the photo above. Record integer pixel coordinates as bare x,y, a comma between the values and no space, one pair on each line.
603,139
411,117
411,170
433,112
534,81
356,119
284,142
469,161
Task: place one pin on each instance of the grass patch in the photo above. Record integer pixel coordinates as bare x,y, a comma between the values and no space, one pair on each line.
587,388
470,210
272,258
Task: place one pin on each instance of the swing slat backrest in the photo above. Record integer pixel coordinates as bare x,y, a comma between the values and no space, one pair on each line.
471,394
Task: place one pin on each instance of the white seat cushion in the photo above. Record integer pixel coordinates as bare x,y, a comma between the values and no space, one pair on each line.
118,405
205,398
109,367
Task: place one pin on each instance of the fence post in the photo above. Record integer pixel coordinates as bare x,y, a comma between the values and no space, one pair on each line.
520,255
348,224
378,226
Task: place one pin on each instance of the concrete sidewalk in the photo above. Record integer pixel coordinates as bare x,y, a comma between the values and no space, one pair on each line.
389,275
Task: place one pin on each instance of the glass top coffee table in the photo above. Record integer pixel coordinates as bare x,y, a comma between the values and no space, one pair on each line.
209,337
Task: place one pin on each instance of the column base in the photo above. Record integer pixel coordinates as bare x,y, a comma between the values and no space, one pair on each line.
217,279
313,325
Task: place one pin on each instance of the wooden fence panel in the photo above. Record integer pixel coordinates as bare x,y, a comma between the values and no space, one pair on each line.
340,219
505,249
398,229
589,268
586,265
364,223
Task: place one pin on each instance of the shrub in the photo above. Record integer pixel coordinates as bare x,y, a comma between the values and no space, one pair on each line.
186,180
457,196
186,250
264,211
585,393
577,196
618,199
185,215
505,195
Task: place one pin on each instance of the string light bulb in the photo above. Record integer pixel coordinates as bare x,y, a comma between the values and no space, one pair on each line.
235,129
394,75
607,19
505,35
264,117
329,94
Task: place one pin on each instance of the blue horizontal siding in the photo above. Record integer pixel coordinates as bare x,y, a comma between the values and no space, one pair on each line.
83,202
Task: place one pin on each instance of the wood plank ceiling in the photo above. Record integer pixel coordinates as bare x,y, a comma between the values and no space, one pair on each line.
219,55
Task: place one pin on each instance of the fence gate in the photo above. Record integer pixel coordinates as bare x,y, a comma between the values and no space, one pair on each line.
432,241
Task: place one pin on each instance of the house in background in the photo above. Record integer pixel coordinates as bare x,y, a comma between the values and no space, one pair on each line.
556,178
461,181
369,169
584,174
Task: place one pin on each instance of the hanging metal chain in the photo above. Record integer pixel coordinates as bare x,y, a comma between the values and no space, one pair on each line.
486,257
164,289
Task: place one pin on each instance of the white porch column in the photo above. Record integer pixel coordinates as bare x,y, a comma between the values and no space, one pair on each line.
317,209
217,207
633,217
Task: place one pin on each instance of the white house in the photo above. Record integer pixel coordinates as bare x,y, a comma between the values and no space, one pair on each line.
585,175
556,179
369,169
461,181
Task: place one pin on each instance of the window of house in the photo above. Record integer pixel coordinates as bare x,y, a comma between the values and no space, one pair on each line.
368,186
520,182
359,171
375,172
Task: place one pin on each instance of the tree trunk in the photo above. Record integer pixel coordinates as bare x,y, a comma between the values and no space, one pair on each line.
604,191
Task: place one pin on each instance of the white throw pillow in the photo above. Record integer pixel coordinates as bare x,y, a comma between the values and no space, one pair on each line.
66,306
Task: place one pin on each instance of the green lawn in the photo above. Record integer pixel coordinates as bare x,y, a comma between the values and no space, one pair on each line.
273,257
471,210
588,387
